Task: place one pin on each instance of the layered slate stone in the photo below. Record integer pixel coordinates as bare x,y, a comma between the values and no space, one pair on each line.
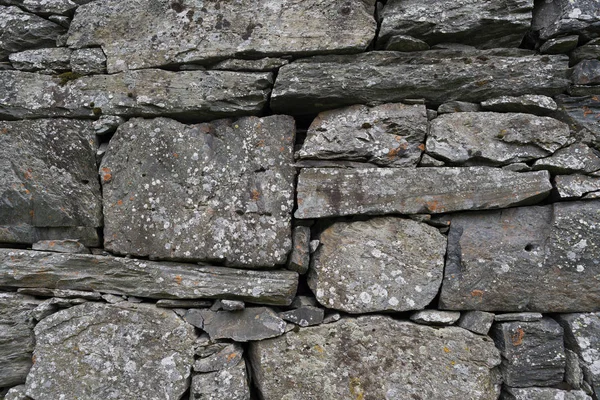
49,61
325,82
184,32
535,393
479,23
386,135
542,259
48,181
559,17
325,192
193,95
576,158
583,113
490,138
376,357
528,103
45,7
215,191
383,264
116,351
156,280
299,258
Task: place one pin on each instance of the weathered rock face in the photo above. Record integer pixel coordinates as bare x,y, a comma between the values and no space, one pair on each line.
48,181
299,258
157,280
226,384
194,95
469,138
575,158
479,23
530,258
219,191
51,60
384,264
323,192
528,103
45,7
171,33
386,135
557,17
476,321
543,394
582,112
111,352
320,83
376,357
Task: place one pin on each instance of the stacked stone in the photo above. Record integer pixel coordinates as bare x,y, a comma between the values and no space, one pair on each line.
299,200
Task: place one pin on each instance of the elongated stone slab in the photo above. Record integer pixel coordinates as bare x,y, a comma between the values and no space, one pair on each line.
196,95
320,83
156,280
324,192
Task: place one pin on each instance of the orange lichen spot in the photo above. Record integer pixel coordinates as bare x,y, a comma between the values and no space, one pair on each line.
231,356
517,337
52,243
452,362
33,359
300,201
394,152
131,198
178,279
120,202
260,143
446,349
255,195
587,111
477,293
595,98
4,131
106,175
175,155
481,83
319,349
421,147
433,205
28,174
31,213
26,191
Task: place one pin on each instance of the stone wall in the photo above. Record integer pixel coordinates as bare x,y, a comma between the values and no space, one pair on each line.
286,200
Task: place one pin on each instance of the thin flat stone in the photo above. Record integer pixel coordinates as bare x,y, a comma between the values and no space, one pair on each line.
529,103
523,317
576,185
226,384
168,303
478,322
304,316
435,317
50,60
560,45
458,106
543,394
61,246
577,158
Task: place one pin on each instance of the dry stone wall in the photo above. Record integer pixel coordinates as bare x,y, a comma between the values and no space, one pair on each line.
287,200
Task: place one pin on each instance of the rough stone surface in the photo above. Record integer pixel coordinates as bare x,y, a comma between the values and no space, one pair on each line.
171,33
61,246
228,305
88,61
479,23
16,393
376,357
167,303
560,45
45,7
299,258
576,185
435,317
532,352
524,259
405,43
529,103
573,370
51,60
383,264
115,351
225,355
578,158
214,191
48,180
107,124
543,394
323,192
226,384
65,293
194,95
156,280
264,64
585,52
523,317
476,321
582,113
556,17
488,138
304,316
458,106
389,135
587,72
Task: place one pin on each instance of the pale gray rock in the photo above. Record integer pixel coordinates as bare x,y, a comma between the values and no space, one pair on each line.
576,185
304,316
587,72
560,45
299,258
428,161
431,114
50,306
541,259
62,21
46,7
529,103
254,323
533,353
389,135
48,181
458,106
61,246
478,23
219,356
178,32
66,293
112,299
214,191
16,337
88,61
168,303
383,264
376,357
435,317
478,322
263,64
523,317
326,82
119,351
228,305
107,124
517,167
155,280
405,43
577,158
226,384
195,95
489,138
573,370
557,17
324,192
16,393
49,61
543,394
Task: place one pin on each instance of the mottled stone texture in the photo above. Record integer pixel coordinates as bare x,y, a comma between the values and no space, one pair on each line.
558,17
376,357
532,258
543,394
216,191
226,384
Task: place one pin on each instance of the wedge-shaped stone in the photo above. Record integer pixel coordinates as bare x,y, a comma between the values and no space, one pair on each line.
376,357
215,191
157,280
194,95
542,259
326,192
488,138
48,181
558,17
181,32
484,24
384,264
577,158
119,351
386,135
325,82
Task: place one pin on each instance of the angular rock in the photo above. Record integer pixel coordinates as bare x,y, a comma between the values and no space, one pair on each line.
541,259
88,61
517,167
226,356
529,103
560,45
61,246
215,191
320,83
111,351
69,294
16,393
585,52
458,106
228,305
254,323
107,124
476,321
323,192
376,357
576,185
383,264
494,138
582,113
543,394
532,352
478,23
155,280
523,317
299,258
587,72
557,17
389,135
435,317
49,61
428,161
45,7
304,316
194,95
261,65
573,370
577,158
164,303
48,181
304,301
172,33
226,384
16,337
405,43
